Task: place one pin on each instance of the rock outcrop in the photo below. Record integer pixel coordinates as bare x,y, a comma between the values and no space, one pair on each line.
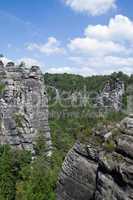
23,106
102,169
112,95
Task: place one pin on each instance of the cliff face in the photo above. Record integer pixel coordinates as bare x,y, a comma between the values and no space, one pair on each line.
112,95
23,107
101,169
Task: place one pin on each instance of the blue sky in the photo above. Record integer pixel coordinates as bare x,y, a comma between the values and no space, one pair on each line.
75,36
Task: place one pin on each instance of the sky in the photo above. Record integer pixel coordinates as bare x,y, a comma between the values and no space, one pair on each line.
85,37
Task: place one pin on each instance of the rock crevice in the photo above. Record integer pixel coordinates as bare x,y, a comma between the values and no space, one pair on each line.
105,169
23,106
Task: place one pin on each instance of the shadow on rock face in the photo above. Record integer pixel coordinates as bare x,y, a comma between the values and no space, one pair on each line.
99,174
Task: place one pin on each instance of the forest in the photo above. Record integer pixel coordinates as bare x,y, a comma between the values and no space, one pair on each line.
23,177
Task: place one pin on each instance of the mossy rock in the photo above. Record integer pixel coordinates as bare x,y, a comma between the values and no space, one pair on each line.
2,88
18,117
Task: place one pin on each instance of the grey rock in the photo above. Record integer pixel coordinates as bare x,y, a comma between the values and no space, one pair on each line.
112,95
91,172
78,177
23,106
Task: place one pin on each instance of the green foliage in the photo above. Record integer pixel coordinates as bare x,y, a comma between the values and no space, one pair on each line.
39,179
22,178
40,146
18,117
61,135
71,82
11,163
7,179
40,182
109,146
2,88
114,116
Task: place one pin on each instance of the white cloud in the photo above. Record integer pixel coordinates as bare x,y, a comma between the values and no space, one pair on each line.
109,64
60,70
29,61
92,7
114,38
92,46
71,70
52,46
104,48
119,29
100,65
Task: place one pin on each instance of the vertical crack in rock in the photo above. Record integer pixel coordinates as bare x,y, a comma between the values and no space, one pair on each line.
23,107
100,171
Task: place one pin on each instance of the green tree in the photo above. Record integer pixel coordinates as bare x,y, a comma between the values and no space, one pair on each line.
7,179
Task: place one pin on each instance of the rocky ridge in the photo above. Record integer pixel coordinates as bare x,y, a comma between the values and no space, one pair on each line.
23,106
101,169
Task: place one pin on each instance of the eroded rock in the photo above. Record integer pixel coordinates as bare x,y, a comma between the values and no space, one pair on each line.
100,172
23,106
112,95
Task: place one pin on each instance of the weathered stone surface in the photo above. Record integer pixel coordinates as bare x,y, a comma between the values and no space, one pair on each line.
23,106
111,96
78,176
100,172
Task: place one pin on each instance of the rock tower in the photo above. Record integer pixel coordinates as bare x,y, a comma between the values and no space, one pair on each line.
112,95
23,106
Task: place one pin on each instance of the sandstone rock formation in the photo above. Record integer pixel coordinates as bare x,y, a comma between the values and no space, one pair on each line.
102,169
112,95
23,106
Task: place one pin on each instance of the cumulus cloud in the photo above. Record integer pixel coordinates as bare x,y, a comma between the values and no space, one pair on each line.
92,7
87,66
60,70
52,46
116,37
71,70
119,29
92,46
104,48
